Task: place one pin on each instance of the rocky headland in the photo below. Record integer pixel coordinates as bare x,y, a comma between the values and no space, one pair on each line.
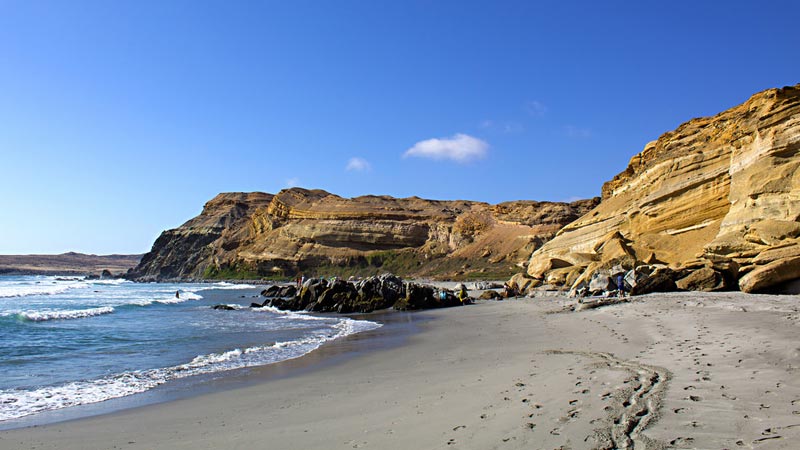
712,205
312,232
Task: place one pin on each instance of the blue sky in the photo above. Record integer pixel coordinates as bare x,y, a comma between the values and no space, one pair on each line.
120,119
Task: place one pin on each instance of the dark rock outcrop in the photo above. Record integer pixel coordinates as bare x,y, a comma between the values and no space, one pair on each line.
224,308
659,281
368,295
426,297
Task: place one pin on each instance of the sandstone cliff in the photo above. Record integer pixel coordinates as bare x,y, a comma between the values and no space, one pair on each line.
721,194
253,235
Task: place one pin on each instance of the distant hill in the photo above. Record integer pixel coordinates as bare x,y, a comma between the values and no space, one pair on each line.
66,263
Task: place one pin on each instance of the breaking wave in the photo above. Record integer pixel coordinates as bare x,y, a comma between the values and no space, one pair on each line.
25,290
42,316
16,403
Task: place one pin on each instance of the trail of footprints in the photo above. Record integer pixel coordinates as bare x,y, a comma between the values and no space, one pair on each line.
629,409
634,406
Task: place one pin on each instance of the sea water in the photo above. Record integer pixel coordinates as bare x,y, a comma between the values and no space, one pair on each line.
68,341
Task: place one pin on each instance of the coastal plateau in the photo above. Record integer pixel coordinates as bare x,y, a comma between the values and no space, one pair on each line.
256,235
67,263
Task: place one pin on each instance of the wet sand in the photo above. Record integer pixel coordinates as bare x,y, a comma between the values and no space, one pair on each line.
673,370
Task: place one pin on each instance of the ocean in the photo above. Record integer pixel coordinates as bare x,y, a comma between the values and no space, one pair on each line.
69,341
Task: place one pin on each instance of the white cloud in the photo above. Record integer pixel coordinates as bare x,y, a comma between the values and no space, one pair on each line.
292,182
460,148
358,164
536,108
575,132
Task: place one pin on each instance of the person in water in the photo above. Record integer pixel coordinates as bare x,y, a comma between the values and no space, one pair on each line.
177,294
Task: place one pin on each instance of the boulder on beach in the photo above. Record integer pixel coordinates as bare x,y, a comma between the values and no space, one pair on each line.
661,280
367,295
426,297
490,295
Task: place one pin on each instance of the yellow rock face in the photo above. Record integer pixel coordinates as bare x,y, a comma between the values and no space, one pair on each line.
302,231
723,189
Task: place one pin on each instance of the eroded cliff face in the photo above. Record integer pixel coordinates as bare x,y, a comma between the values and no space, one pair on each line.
315,232
719,193
184,251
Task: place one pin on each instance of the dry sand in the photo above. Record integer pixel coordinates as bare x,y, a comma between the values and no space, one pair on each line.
680,370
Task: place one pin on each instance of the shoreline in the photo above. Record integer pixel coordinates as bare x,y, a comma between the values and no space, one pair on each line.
396,327
687,370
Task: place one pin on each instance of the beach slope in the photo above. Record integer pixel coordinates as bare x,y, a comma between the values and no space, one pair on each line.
674,370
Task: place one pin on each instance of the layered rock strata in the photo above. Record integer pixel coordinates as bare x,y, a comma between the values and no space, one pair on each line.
717,201
313,232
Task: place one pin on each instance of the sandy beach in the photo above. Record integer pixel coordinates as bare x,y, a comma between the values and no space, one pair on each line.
682,370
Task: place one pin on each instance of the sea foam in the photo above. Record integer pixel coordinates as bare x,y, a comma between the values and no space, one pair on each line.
16,403
41,316
25,290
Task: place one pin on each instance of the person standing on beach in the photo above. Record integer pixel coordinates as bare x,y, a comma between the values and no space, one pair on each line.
463,295
621,285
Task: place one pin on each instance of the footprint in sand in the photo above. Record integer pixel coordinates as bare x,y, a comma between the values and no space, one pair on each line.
760,440
682,441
